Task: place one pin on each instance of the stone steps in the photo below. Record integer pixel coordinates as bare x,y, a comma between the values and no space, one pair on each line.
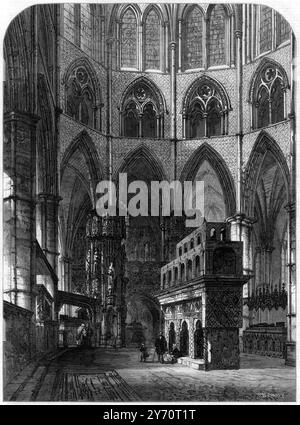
197,364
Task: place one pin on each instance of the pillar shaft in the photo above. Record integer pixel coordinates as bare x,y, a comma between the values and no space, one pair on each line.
19,208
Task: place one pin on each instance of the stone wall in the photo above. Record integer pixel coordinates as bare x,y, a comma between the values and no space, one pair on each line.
19,341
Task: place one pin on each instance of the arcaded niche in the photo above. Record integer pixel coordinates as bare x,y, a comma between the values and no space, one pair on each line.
202,298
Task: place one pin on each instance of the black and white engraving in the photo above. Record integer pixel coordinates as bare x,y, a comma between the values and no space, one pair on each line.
149,204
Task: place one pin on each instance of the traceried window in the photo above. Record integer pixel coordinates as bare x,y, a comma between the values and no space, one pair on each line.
152,40
142,111
217,36
80,100
206,110
265,29
193,39
129,40
283,29
268,96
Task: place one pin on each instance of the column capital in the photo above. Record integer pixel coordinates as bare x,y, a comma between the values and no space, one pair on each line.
110,41
25,117
238,34
173,45
48,197
241,218
290,208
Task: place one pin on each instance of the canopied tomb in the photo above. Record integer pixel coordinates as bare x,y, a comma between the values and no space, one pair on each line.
201,298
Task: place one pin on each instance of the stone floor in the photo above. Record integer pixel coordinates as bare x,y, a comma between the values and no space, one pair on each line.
117,376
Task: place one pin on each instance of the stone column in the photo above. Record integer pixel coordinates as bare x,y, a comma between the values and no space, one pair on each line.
191,338
240,230
173,107
194,268
291,209
47,210
177,332
179,45
291,289
19,208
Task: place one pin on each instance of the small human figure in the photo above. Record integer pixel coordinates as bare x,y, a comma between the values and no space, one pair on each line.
160,347
175,353
80,335
144,353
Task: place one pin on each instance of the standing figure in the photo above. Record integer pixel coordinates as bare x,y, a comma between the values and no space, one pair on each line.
79,336
161,347
144,353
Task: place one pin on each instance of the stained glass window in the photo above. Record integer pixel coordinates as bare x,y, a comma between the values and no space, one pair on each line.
265,29
152,41
86,28
129,40
193,39
69,21
282,29
216,47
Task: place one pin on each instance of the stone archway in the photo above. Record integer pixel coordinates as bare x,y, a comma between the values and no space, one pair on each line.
184,339
198,340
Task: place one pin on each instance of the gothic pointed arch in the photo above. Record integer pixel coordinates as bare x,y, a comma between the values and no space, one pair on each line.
142,153
206,153
267,94
82,93
142,110
264,145
205,109
84,144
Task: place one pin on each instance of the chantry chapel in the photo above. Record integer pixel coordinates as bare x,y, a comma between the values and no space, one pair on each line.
162,92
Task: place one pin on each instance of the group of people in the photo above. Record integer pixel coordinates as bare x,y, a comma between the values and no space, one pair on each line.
161,350
84,335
